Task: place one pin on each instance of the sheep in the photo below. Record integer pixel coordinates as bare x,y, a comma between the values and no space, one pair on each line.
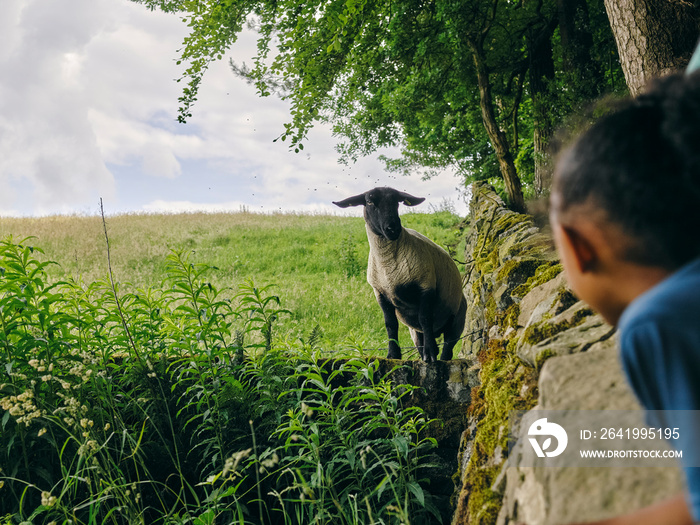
414,280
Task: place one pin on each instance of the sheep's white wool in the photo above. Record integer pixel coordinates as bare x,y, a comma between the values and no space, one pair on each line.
414,259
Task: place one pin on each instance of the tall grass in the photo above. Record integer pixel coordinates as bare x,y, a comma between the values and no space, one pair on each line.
317,261
188,402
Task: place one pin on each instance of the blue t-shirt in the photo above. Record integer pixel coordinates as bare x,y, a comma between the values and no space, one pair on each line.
660,351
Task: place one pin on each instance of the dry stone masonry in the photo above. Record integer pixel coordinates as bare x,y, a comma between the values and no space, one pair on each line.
535,347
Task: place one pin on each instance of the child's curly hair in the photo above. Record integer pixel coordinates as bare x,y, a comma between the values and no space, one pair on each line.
640,166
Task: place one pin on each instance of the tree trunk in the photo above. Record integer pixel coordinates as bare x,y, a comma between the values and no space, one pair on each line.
654,37
583,73
541,136
496,135
541,74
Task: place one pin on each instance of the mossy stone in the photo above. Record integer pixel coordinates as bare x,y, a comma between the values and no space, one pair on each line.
542,357
544,273
509,220
545,329
517,270
501,391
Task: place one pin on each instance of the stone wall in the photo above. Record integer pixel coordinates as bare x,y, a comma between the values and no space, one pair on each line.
536,347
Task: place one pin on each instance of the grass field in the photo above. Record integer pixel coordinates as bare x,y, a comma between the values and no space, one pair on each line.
316,262
175,405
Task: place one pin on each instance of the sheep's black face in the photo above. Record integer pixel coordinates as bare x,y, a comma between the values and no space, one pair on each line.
382,213
382,209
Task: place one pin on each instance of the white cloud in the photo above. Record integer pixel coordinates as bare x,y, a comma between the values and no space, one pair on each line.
159,160
88,86
9,28
6,211
45,137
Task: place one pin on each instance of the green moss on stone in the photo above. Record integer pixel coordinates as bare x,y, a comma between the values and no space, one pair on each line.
517,269
476,287
510,317
580,316
490,310
501,391
544,273
508,221
566,299
542,357
524,249
480,251
504,319
544,330
540,331
548,274
493,258
506,384
505,270
485,254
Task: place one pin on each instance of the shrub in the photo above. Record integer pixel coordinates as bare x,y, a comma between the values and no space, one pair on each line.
174,404
348,258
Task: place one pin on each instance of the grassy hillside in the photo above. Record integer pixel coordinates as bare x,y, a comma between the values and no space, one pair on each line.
317,262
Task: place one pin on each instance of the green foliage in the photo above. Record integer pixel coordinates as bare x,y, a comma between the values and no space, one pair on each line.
180,404
352,454
348,258
405,74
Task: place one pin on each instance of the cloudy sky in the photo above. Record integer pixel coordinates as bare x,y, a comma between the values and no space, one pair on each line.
88,106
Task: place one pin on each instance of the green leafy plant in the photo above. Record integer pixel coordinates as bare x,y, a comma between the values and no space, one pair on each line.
352,453
349,259
151,407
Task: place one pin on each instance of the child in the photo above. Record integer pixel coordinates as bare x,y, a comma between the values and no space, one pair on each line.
625,214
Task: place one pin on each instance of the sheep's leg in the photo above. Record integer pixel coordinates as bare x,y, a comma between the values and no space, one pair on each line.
417,338
391,322
425,318
454,330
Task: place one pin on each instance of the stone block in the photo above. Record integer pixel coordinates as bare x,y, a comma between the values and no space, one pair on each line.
592,380
570,341
540,301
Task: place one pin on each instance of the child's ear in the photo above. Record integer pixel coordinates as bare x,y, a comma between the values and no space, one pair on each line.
583,250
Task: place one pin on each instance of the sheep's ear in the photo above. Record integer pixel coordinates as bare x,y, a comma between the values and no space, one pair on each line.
357,200
410,200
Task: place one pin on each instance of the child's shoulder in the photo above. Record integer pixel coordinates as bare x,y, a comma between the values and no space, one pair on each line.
674,301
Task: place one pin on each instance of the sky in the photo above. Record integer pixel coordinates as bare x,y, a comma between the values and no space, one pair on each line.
88,108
